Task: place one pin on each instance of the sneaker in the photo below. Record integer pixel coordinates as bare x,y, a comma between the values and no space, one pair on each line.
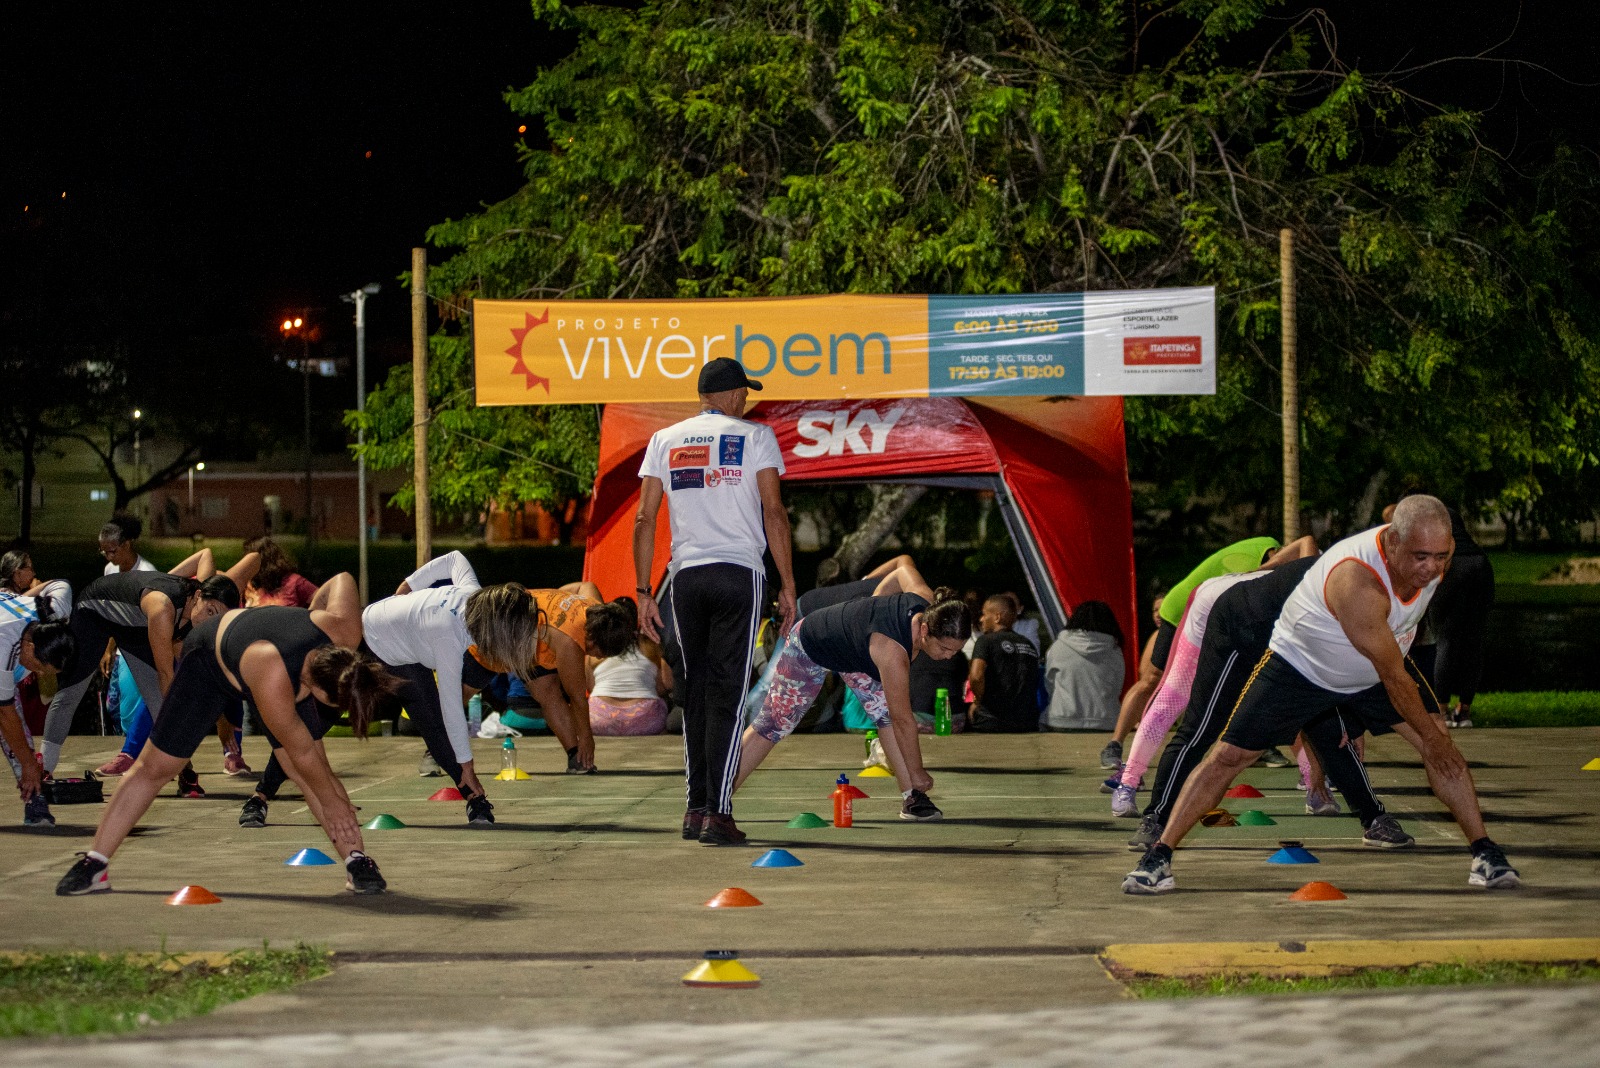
1491,870
1124,802
1321,803
694,820
917,807
87,876
428,767
1457,719
575,768
36,813
1148,834
720,830
1111,756
1111,785
189,782
479,810
1385,832
1274,758
254,813
1152,876
120,764
234,767
362,875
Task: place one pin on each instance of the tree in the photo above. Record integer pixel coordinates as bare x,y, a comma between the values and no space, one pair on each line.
811,146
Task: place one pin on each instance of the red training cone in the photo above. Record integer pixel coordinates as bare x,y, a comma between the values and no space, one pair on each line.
1318,891
449,793
1244,789
194,895
733,898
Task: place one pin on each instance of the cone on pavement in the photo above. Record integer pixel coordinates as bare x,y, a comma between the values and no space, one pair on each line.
722,968
1219,817
194,895
855,792
1593,765
1244,789
309,857
1293,855
876,771
807,820
448,793
733,898
1254,817
1318,891
777,858
383,822
511,775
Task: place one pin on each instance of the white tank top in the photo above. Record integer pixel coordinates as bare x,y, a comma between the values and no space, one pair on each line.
1204,599
631,675
1309,637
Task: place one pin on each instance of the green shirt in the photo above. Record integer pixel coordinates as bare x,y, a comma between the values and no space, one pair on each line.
1236,558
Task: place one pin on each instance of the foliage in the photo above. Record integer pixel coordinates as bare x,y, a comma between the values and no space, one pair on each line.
1545,708
810,146
1459,974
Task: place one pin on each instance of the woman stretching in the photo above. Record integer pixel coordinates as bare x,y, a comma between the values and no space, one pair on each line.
283,661
870,642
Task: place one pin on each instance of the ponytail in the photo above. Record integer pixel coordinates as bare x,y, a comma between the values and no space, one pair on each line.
355,680
948,615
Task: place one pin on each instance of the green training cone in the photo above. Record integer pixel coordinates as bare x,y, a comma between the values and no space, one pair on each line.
383,822
1254,817
807,820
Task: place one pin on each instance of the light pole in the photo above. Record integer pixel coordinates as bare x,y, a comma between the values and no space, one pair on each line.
296,326
201,466
359,299
137,415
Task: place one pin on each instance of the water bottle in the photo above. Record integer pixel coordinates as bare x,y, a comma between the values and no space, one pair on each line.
474,715
508,755
872,736
941,711
842,803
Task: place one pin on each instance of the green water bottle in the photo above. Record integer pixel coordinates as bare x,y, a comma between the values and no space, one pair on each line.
872,736
941,711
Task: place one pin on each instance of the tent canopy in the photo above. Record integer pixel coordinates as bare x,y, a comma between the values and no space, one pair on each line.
1057,465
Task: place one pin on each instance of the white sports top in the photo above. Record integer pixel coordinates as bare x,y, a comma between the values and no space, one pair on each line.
1309,637
1204,599
631,675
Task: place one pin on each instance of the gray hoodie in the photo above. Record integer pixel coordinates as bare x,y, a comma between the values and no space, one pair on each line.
1083,673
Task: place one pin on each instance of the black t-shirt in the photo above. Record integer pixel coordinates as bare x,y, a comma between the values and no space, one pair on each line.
1010,683
1261,600
928,676
824,596
839,637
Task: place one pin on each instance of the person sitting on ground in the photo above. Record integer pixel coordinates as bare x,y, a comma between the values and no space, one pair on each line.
284,662
1021,624
20,619
626,689
1083,671
1004,674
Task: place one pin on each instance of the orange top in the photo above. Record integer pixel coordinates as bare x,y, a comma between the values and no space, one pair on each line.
566,612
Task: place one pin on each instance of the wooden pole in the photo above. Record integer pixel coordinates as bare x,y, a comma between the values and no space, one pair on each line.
419,402
1291,392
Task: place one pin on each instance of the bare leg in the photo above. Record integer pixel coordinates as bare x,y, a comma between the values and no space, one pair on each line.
1138,694
344,846
1458,792
1205,788
890,565
753,750
584,589
153,770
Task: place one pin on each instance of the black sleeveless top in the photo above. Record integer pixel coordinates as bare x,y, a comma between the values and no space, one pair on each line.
839,637
290,631
115,598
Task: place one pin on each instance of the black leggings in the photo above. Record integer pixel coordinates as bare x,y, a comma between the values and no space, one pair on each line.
1460,613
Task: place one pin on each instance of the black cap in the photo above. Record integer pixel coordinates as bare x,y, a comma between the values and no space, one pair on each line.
723,374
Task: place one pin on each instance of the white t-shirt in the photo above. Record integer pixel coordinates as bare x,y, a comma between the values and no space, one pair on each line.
428,626
16,612
631,675
141,564
707,466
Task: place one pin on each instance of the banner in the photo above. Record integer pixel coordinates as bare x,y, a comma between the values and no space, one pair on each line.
1160,341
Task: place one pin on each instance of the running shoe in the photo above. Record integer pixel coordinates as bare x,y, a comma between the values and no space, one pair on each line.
1321,803
189,782
87,876
1124,802
36,813
479,810
362,875
694,820
1274,758
1152,876
254,813
720,830
1457,719
428,767
1385,832
234,767
918,808
1492,871
1111,756
575,768
120,764
1148,834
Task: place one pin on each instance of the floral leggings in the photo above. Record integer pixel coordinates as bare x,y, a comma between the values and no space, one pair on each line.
796,680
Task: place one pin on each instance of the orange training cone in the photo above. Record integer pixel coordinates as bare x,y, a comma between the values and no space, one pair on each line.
194,895
1244,789
733,898
1318,891
449,793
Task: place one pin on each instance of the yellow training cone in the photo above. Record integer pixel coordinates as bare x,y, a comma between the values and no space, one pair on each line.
511,775
876,771
728,973
1593,765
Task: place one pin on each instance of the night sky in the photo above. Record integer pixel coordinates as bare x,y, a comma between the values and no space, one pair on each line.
217,175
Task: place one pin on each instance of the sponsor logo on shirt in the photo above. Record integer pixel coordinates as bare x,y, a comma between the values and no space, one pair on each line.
689,456
731,451
724,476
691,478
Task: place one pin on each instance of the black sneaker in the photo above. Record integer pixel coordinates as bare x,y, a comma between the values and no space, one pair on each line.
87,876
917,807
254,813
575,768
694,820
1152,876
479,810
720,830
189,782
1385,832
1148,834
36,813
1492,871
1274,758
1111,756
362,875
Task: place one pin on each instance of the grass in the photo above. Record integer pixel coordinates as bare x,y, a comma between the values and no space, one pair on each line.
1498,973
86,993
1545,708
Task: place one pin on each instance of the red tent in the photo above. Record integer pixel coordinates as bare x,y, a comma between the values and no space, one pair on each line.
1057,466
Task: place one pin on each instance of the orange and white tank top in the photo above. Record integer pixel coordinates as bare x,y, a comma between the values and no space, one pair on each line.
1310,638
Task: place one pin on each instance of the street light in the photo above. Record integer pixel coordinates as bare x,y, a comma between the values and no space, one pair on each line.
201,466
292,327
359,299
137,415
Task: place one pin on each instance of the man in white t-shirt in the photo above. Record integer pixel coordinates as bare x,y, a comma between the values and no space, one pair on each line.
720,476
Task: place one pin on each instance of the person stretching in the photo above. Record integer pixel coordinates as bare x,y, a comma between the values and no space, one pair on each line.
20,618
283,661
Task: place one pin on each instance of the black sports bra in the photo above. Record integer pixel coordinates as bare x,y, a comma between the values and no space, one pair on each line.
290,631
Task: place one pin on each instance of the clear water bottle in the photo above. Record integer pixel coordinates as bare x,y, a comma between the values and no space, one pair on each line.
508,754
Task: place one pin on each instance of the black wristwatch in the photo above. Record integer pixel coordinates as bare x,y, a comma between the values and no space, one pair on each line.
644,590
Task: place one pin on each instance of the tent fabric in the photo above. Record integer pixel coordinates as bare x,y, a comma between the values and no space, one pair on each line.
1062,459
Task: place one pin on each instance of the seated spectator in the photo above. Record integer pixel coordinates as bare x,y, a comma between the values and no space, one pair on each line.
1084,670
1004,673
625,690
1028,628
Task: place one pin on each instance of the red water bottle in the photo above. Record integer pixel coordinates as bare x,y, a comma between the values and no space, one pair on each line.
842,803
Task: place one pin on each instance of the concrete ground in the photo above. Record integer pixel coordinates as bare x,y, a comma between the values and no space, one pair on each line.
583,907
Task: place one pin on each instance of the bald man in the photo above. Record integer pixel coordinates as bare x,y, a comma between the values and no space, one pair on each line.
1339,648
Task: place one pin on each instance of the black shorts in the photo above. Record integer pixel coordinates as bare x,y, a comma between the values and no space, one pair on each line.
200,693
1278,701
1163,647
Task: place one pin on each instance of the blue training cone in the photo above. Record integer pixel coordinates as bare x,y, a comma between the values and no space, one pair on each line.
777,858
309,856
1293,855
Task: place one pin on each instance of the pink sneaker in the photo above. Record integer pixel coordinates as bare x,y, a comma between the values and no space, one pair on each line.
120,764
234,766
